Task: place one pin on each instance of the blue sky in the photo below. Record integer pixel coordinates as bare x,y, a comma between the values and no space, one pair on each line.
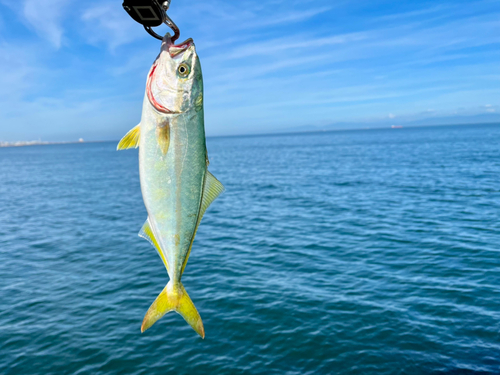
72,69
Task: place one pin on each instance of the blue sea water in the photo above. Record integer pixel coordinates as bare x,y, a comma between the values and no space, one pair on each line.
356,252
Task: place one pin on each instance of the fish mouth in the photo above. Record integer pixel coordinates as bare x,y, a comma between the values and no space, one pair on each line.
175,49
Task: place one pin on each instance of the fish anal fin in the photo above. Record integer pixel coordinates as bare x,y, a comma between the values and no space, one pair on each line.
212,188
131,139
147,233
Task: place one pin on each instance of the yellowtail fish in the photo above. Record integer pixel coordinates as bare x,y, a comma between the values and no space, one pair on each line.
176,186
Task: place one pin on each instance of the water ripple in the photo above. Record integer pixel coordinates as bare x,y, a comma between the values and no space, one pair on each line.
362,252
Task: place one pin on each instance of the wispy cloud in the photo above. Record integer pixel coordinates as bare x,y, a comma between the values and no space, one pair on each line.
22,69
45,17
115,28
415,14
283,18
299,43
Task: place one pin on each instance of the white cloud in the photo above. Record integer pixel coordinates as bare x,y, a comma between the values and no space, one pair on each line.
45,17
20,62
291,17
490,108
298,44
115,26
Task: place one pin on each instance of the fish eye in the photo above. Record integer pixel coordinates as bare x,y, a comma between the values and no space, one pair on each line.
183,70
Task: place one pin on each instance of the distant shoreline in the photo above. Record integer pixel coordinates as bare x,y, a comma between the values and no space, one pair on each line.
271,134
42,143
326,130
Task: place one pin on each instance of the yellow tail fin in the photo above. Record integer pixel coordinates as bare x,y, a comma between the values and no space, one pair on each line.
174,298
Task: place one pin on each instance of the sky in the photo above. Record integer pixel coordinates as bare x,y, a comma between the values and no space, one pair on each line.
72,70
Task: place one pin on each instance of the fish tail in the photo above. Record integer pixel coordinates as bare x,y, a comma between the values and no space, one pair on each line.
174,298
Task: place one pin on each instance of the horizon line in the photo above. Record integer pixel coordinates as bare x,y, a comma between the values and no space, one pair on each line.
277,133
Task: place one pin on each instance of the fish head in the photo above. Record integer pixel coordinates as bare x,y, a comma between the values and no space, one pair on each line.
175,82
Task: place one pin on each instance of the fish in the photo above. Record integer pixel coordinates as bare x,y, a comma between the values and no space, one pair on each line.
176,186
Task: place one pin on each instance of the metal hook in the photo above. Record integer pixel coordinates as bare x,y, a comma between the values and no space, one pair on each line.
167,21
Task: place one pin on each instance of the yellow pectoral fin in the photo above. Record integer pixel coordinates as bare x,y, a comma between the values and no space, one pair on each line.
163,136
174,298
131,139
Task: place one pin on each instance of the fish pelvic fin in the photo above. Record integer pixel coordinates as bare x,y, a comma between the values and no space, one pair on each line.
174,298
131,139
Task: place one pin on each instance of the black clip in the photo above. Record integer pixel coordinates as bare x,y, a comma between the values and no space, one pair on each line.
149,13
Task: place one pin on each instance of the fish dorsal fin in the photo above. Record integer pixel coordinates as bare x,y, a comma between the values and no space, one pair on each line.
147,233
211,190
131,139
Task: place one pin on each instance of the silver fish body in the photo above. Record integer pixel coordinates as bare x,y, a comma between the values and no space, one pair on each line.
175,183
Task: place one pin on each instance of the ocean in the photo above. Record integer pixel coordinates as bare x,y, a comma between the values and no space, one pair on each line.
348,252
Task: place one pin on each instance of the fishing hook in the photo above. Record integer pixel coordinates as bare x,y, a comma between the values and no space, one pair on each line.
167,21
